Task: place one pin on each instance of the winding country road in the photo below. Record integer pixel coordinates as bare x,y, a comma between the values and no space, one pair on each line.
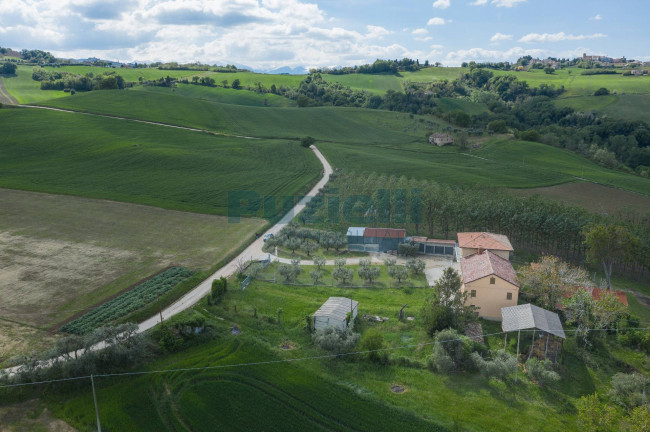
254,250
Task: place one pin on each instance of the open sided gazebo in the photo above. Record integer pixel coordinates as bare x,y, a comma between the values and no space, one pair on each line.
547,335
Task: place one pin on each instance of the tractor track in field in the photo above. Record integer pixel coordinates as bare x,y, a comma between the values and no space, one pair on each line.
5,97
138,121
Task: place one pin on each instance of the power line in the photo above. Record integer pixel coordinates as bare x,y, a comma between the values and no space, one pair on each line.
291,360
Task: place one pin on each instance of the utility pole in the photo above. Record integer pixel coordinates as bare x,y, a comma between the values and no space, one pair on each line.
517,370
160,311
92,383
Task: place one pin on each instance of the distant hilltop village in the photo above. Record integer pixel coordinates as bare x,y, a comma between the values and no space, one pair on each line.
606,61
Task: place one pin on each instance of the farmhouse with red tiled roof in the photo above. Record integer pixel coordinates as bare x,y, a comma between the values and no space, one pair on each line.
471,243
491,282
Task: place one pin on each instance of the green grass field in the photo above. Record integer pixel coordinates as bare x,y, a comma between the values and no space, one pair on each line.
621,106
222,95
355,392
593,197
372,83
323,123
25,90
91,156
499,162
447,104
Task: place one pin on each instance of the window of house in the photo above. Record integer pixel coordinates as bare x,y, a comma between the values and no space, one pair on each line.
472,293
492,281
509,296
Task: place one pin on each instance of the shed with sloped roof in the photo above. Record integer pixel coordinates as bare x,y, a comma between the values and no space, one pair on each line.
338,312
547,332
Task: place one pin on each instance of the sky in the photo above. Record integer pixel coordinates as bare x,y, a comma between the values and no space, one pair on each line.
267,34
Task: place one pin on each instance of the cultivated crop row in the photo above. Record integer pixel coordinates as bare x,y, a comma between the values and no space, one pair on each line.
128,302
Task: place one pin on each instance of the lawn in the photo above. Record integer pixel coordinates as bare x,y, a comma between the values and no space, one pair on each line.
108,158
293,394
61,254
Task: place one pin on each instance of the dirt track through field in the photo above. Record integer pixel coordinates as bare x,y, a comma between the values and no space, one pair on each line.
140,121
5,97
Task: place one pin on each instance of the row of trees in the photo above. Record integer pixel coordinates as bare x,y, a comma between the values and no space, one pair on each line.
59,80
378,67
534,224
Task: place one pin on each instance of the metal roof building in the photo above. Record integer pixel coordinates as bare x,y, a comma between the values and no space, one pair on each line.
375,239
528,316
334,313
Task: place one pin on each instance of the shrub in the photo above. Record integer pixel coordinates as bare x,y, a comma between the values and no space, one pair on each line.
497,126
407,249
500,367
416,266
373,341
601,92
219,288
453,351
541,371
335,340
440,361
307,141
627,389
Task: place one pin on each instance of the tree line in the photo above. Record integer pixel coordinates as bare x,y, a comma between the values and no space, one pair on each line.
60,80
534,224
377,67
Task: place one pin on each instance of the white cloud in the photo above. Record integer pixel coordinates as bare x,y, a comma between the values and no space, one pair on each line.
498,37
259,33
507,3
481,54
435,21
557,37
376,31
441,4
597,17
498,3
420,31
423,39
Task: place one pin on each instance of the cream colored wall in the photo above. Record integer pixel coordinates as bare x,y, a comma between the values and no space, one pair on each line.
471,251
491,298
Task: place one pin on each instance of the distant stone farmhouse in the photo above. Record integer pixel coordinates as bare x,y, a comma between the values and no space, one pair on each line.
441,139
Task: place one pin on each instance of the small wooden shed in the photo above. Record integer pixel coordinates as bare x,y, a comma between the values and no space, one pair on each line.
338,312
